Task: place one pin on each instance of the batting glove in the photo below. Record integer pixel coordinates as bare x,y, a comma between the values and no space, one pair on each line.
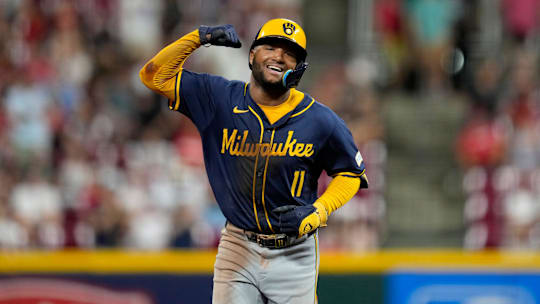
291,78
223,35
301,220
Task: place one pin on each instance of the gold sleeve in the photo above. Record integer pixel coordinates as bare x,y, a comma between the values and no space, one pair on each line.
340,190
162,73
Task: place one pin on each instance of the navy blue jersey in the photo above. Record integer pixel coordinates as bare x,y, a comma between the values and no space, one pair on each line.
254,166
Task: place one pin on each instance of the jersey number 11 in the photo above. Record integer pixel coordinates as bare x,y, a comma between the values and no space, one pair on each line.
297,183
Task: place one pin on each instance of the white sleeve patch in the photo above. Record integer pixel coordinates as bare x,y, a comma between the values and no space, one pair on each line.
359,158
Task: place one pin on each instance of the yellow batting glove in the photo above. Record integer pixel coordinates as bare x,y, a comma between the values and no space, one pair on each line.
314,220
321,212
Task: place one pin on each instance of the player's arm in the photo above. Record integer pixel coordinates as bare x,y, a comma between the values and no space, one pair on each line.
159,74
305,219
340,190
163,72
342,160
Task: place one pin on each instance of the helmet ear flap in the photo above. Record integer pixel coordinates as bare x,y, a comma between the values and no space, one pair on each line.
291,78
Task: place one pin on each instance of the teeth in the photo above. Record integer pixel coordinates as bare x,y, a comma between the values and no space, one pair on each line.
275,68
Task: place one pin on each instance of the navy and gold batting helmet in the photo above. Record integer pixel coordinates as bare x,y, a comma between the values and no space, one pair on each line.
286,30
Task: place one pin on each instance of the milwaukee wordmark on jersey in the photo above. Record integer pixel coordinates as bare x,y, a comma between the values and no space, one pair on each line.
255,166
237,145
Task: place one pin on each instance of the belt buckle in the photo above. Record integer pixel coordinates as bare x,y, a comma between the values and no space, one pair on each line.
272,240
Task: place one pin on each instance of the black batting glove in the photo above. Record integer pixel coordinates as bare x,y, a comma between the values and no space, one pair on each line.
291,78
223,35
291,219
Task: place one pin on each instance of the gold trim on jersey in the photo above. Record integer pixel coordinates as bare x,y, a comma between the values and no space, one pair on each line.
350,174
176,92
255,168
245,88
172,102
316,264
305,109
264,181
363,177
275,113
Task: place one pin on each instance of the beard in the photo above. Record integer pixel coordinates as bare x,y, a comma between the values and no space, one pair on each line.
272,88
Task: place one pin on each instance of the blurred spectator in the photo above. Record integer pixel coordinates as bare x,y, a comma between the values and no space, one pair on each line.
521,19
139,26
392,28
12,234
482,143
37,207
485,88
431,23
27,107
500,149
347,89
523,108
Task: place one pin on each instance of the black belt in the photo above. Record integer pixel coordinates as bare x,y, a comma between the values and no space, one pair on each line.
275,241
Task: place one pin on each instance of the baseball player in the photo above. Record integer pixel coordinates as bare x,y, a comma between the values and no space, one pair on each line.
265,145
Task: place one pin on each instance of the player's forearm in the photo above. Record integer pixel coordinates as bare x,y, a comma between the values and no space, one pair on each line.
340,190
159,73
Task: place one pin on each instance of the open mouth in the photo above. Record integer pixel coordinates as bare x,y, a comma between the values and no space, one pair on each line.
274,69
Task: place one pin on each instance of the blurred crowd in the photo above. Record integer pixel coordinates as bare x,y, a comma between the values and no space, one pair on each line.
90,158
499,143
485,53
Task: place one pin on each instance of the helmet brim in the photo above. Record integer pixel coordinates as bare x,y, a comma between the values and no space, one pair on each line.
298,50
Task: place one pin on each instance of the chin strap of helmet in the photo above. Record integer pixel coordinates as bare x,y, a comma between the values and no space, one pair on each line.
291,78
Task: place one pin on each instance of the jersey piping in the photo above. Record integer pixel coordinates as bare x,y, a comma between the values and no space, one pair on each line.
286,115
264,180
305,109
176,92
350,174
316,265
255,169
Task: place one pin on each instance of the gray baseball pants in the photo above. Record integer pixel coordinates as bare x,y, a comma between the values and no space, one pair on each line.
246,273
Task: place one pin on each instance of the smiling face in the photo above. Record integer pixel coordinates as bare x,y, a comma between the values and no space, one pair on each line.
269,61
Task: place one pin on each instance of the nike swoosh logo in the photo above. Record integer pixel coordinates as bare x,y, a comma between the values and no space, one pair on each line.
237,111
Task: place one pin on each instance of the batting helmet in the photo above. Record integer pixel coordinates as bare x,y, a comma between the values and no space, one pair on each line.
286,30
